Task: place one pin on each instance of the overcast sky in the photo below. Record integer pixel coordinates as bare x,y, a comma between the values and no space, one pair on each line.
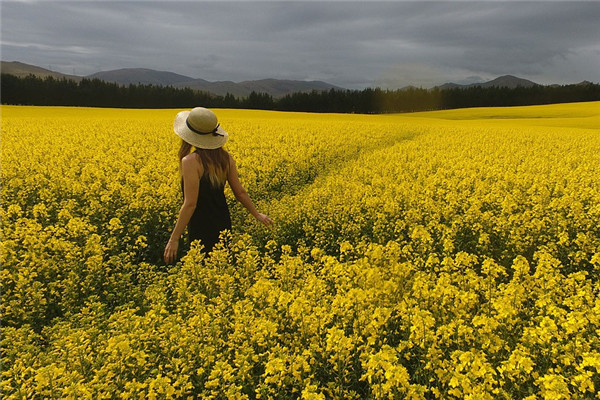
351,44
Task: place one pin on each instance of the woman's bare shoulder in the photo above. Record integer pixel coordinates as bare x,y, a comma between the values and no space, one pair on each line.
190,158
191,161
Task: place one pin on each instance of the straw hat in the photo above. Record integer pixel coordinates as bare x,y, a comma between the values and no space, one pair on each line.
200,128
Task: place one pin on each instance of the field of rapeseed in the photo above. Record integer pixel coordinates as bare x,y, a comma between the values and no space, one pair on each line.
441,255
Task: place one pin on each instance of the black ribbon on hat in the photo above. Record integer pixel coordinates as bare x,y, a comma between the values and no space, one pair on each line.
214,131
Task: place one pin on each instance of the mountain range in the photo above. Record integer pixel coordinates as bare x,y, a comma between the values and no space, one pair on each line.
22,70
507,81
144,76
275,87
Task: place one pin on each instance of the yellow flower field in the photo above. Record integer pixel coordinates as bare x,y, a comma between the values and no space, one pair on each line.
436,255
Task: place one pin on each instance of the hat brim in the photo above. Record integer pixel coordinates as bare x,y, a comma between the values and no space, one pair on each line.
208,141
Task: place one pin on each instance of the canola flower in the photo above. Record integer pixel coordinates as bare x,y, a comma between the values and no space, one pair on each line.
450,254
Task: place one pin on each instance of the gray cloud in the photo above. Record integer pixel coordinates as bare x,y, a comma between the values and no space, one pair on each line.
352,44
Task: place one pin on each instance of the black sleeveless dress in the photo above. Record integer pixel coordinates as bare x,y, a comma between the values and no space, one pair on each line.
211,215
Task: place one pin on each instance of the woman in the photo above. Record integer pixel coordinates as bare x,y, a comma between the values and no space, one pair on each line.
204,172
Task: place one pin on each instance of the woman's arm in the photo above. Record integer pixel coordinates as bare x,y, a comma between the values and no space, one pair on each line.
242,196
191,171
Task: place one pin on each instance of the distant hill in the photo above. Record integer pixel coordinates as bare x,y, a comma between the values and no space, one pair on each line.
450,85
274,87
22,70
140,76
507,81
126,76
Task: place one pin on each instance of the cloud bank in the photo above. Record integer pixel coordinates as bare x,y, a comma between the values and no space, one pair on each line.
350,44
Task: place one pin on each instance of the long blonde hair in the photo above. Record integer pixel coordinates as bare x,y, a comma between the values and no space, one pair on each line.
214,161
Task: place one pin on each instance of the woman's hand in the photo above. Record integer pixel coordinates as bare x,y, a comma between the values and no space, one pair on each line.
170,253
265,220
242,196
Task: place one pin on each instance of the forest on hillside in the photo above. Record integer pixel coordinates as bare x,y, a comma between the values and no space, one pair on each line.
49,91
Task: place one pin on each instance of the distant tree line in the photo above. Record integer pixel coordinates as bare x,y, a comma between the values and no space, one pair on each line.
49,91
